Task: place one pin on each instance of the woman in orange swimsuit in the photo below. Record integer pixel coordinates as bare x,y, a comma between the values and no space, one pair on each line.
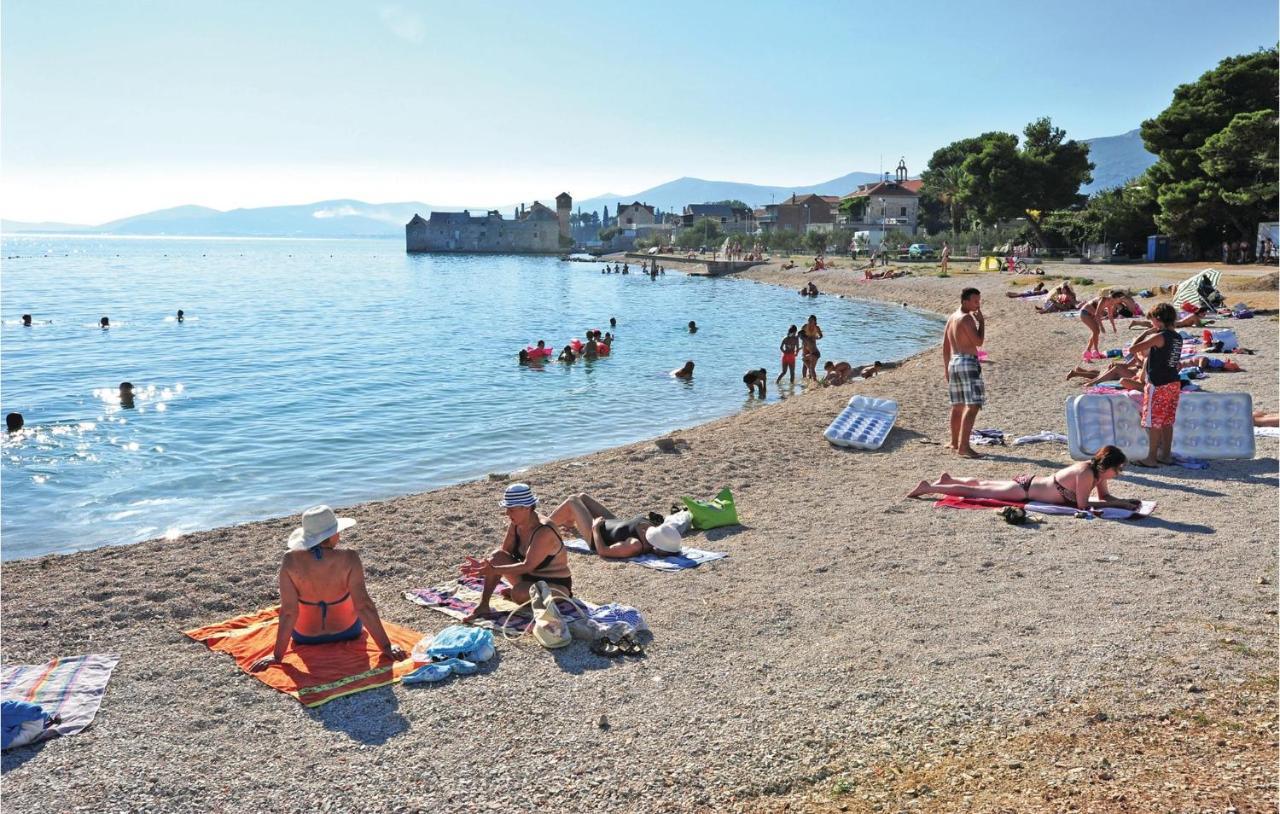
1070,486
790,345
322,593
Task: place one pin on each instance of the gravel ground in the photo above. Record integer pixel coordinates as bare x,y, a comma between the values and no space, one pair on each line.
849,628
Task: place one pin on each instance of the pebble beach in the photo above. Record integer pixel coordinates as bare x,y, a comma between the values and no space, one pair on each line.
856,651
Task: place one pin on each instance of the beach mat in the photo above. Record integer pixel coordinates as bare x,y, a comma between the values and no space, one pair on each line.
957,502
313,674
458,598
687,558
71,688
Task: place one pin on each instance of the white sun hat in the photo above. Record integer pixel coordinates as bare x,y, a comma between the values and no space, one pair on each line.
664,538
319,523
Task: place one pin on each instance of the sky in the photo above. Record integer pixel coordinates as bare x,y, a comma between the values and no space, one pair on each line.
113,109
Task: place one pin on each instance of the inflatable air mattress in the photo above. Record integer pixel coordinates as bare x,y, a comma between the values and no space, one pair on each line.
864,423
1209,426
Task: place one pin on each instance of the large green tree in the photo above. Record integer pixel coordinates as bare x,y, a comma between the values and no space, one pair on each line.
1215,176
944,177
1003,181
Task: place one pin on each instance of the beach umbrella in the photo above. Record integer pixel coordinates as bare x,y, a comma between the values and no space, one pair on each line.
1197,288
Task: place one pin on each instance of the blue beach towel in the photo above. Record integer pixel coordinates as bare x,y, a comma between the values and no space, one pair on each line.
687,558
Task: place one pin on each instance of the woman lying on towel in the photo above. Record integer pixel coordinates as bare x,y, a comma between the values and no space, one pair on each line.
613,538
1069,486
532,551
322,593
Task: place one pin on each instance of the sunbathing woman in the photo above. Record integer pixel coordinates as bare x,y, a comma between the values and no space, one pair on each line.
613,538
531,552
313,573
1031,292
1069,486
1091,314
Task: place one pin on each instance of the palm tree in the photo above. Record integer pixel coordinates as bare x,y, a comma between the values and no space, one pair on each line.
949,185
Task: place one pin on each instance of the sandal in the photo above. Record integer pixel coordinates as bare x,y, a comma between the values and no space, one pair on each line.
606,648
628,646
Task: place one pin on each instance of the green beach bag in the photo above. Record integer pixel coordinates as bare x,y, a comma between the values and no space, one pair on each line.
710,514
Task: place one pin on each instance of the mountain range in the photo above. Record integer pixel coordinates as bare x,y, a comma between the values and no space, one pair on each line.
1116,158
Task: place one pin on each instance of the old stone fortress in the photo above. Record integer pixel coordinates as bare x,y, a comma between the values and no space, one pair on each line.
535,229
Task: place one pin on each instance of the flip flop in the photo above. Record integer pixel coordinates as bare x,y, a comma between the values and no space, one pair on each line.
606,648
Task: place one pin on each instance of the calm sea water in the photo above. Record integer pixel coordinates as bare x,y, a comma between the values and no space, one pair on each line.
313,371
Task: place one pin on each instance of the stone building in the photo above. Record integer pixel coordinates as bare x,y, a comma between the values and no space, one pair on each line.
635,214
806,213
888,205
732,219
535,230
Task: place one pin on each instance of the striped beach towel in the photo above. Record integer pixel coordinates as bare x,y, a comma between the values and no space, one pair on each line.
687,558
458,598
313,674
71,688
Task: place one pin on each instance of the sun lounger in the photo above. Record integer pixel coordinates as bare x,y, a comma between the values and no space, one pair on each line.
864,423
1209,426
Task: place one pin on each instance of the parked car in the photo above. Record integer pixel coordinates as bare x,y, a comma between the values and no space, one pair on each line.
920,251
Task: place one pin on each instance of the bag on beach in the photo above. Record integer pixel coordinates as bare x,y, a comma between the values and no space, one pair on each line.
710,514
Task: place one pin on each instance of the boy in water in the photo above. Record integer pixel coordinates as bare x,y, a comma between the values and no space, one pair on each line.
755,381
790,345
1163,346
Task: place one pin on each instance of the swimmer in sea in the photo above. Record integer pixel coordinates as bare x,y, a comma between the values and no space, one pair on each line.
26,320
126,395
685,372
13,422
613,323
589,347
567,355
755,380
693,327
523,356
104,323
181,315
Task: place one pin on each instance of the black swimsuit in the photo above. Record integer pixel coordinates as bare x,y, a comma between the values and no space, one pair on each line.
565,582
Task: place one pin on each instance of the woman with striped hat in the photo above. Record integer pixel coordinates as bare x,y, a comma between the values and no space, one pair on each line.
531,552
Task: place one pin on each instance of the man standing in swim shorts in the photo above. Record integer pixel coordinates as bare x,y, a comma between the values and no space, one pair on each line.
964,334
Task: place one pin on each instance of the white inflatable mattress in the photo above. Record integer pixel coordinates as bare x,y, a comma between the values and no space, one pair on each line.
1208,426
864,423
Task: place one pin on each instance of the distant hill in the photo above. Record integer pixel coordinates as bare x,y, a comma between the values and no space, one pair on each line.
673,195
1117,160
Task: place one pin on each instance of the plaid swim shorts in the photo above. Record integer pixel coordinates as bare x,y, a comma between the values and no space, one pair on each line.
964,380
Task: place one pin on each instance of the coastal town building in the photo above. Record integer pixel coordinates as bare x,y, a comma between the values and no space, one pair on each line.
635,214
806,213
732,219
886,206
537,229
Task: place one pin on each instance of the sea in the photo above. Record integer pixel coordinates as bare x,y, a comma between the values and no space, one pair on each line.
340,371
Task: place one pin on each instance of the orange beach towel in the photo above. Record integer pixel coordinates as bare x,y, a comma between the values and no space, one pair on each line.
313,674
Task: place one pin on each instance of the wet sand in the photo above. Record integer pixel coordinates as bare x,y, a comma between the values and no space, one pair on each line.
856,651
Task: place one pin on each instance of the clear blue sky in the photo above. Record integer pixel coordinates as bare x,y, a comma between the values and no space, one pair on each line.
110,109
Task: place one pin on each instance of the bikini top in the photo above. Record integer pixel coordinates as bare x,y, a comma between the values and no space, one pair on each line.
548,566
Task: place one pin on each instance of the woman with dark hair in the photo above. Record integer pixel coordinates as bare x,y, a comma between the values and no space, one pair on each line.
1069,486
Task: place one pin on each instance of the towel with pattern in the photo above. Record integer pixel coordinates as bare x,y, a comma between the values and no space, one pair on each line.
687,558
459,598
314,674
1145,508
69,688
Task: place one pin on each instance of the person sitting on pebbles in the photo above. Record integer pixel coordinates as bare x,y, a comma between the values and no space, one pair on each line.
322,593
613,538
532,551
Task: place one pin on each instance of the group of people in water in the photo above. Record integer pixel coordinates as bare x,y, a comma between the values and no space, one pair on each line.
647,267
